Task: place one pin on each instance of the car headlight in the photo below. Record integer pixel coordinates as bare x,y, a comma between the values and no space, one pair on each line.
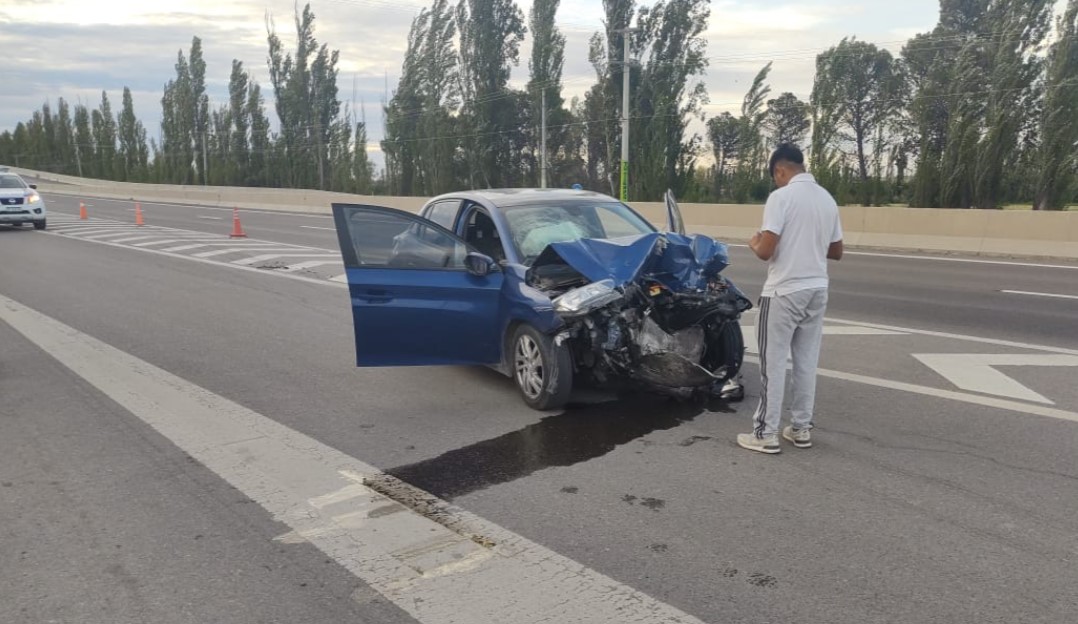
580,301
33,198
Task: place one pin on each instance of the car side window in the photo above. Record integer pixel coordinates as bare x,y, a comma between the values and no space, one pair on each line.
482,235
444,213
385,240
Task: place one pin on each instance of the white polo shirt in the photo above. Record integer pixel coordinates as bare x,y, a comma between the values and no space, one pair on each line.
806,218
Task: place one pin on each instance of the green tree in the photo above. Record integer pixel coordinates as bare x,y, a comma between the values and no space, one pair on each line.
787,119
133,155
1056,161
105,136
856,91
306,98
725,133
200,103
669,95
239,123
546,66
490,35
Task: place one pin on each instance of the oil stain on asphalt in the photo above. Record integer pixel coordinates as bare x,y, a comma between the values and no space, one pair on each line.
581,433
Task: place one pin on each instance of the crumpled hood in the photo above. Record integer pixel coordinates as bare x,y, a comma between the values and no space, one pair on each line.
679,262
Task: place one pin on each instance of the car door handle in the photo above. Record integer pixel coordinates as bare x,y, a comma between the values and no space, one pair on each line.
375,296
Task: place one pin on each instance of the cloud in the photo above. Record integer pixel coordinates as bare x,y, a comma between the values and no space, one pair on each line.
74,49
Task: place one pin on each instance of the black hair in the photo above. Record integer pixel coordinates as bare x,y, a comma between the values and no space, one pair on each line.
786,152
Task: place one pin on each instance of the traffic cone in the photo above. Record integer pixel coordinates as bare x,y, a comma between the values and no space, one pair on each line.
82,211
138,214
237,229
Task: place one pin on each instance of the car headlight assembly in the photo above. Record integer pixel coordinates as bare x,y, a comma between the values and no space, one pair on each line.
580,301
33,198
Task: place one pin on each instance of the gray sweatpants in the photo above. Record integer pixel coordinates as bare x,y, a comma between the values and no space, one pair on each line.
790,325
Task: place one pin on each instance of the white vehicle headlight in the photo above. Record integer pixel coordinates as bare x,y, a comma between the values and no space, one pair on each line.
33,198
582,300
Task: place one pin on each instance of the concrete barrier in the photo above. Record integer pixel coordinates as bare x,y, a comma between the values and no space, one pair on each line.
976,232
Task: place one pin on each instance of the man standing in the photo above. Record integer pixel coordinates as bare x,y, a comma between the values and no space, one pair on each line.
801,231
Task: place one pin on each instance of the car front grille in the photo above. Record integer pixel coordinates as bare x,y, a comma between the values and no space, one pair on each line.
11,201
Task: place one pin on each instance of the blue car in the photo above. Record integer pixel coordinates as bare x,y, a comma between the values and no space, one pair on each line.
550,287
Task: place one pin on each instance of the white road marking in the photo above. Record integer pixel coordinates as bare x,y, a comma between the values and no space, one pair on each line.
939,334
192,237
312,227
975,399
228,210
748,332
342,278
298,278
477,572
265,257
945,259
229,250
121,233
975,372
309,265
222,242
210,218
132,239
968,260
1038,294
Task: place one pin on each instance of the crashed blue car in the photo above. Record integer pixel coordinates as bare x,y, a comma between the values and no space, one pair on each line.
550,287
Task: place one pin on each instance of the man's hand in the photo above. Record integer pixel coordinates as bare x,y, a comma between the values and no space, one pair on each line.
763,244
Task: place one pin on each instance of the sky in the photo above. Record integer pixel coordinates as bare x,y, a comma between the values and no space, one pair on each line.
74,49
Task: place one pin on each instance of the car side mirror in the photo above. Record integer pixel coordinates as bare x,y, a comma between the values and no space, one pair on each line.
33,186
478,264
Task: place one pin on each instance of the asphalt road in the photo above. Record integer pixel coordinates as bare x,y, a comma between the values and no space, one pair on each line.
923,501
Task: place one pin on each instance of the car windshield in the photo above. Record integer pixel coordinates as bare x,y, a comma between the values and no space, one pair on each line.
534,226
11,182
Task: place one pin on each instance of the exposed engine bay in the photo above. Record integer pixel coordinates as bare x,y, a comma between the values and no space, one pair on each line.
654,309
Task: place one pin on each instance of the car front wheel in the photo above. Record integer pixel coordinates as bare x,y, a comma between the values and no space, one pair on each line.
40,225
542,370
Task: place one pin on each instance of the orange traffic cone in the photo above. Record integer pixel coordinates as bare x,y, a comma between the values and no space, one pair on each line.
138,214
82,211
237,229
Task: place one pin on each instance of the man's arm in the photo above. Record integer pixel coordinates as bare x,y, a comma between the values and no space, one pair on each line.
764,244
834,252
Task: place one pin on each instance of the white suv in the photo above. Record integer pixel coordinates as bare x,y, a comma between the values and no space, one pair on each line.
20,202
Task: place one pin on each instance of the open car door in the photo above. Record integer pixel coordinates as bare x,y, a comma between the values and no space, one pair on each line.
419,295
674,221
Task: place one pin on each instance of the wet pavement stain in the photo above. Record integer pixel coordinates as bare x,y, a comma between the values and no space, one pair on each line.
760,579
579,434
570,489
654,504
693,440
659,548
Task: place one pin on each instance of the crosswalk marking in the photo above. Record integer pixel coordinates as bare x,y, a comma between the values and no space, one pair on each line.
263,258
309,265
201,246
231,250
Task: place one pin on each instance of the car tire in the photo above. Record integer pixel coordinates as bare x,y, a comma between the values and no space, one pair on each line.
40,225
541,369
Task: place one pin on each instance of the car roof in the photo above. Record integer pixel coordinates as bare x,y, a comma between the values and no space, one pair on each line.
522,196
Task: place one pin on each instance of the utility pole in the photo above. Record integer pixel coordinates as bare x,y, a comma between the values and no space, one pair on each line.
78,158
542,149
625,72
205,166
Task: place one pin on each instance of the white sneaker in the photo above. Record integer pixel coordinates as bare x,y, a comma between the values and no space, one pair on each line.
802,439
767,444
